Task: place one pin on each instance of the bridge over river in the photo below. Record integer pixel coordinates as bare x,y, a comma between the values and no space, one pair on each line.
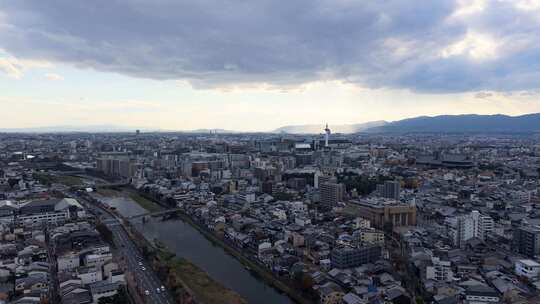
155,214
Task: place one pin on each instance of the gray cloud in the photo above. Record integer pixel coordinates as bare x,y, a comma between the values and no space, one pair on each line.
394,44
483,95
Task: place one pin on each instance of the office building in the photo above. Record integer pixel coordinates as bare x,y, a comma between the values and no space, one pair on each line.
526,241
473,225
390,189
320,179
348,257
464,230
381,210
117,165
331,193
483,224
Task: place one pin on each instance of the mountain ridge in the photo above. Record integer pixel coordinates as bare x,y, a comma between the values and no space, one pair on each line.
463,123
501,123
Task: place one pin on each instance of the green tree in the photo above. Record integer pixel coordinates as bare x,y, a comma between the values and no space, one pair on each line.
105,233
119,298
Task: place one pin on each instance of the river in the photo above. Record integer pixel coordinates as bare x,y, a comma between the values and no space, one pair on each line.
187,242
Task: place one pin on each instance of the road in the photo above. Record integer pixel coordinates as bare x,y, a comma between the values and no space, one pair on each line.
54,286
133,258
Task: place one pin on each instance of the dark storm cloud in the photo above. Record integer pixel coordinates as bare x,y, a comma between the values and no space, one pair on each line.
210,43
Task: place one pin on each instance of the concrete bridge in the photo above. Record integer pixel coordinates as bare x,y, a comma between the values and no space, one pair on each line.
112,185
155,214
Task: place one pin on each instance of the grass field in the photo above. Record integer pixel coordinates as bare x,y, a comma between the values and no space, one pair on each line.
141,201
145,203
109,192
70,181
205,288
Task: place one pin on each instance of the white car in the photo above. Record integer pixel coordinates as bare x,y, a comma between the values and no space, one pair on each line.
140,263
162,288
143,268
146,292
158,290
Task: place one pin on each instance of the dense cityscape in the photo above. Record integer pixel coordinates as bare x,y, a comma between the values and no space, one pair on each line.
270,152
328,218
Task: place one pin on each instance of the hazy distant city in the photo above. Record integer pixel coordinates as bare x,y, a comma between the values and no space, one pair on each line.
270,152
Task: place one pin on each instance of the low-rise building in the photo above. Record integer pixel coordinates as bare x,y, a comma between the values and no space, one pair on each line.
439,270
348,257
481,294
527,268
369,235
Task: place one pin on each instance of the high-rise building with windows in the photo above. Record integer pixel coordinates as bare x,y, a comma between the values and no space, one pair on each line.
390,189
526,241
117,165
331,193
473,225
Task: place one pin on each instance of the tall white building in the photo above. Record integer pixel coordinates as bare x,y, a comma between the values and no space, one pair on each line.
326,136
464,230
473,225
483,225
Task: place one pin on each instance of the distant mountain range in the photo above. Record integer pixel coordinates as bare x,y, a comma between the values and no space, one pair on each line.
426,124
464,123
70,129
319,128
432,124
103,129
203,131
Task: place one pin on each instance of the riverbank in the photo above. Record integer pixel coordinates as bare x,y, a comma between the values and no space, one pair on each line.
256,269
196,280
68,180
145,203
187,282
263,273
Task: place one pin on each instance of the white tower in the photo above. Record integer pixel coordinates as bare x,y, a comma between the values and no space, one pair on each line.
326,135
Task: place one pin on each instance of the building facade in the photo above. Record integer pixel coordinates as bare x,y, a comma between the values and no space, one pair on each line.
348,257
526,241
331,193
382,211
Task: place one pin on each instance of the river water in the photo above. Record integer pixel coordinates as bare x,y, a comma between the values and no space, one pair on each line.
187,242
125,205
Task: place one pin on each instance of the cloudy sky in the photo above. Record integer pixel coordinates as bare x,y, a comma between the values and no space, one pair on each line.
259,65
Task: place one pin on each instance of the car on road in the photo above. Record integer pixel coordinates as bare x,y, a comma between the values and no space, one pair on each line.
162,288
158,290
146,292
143,268
140,263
